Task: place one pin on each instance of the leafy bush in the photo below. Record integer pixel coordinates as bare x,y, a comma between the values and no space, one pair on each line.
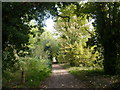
35,70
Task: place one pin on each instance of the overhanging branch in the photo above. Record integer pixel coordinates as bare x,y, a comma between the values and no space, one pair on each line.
64,17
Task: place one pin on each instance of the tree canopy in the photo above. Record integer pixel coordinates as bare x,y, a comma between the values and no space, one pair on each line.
87,35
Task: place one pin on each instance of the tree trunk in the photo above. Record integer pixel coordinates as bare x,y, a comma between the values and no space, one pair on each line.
110,58
22,77
107,31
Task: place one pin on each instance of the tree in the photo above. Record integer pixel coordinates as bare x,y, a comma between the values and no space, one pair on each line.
15,21
16,30
43,45
107,26
74,32
107,17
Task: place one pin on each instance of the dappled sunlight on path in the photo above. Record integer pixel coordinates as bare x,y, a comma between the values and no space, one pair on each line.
60,78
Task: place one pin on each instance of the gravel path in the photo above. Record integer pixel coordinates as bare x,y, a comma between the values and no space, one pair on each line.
60,78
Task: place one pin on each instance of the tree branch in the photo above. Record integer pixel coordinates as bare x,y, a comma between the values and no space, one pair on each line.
64,17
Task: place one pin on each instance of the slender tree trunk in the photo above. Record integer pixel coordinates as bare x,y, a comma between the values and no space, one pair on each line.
22,77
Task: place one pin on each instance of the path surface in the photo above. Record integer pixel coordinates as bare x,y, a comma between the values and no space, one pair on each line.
60,78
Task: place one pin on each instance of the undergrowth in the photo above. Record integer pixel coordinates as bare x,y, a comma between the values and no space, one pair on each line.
94,77
35,71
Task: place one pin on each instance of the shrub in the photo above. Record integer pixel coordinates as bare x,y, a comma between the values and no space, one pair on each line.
35,70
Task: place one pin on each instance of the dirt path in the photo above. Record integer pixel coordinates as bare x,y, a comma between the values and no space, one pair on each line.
60,78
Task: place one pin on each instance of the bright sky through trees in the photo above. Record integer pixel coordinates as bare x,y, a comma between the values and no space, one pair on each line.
50,25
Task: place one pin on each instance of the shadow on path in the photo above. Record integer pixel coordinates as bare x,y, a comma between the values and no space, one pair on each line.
60,78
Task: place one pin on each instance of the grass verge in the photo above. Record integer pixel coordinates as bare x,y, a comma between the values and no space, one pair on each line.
94,77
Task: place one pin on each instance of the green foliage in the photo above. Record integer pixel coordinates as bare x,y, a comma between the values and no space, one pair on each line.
10,78
36,70
33,58
28,47
22,39
107,34
83,71
74,33
44,45
16,27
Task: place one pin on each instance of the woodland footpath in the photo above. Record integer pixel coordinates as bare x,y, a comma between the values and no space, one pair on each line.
86,42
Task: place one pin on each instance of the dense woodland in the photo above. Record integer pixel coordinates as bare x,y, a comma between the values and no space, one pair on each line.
87,35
